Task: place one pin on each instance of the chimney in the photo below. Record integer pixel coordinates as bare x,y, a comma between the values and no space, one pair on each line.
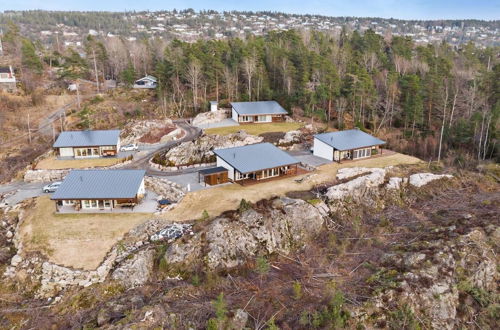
81,178
234,154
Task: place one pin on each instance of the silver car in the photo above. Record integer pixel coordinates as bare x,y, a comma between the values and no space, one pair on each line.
51,187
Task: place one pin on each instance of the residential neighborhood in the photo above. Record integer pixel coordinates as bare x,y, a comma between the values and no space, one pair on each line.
270,168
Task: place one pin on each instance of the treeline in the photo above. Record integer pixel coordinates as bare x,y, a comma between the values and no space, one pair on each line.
432,101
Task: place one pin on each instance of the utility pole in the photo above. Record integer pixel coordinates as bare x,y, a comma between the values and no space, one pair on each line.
77,94
53,133
61,121
29,130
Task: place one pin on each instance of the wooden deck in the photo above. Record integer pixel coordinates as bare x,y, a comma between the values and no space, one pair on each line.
249,182
384,153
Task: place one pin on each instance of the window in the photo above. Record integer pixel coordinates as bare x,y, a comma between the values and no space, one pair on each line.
107,204
262,118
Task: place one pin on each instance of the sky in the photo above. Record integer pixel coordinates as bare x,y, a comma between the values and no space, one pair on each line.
402,9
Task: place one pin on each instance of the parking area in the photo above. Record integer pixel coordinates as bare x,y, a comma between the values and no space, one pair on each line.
306,157
187,180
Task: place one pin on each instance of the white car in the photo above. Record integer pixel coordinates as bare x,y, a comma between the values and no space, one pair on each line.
129,147
51,187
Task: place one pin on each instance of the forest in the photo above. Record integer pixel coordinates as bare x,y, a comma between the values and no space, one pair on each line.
434,101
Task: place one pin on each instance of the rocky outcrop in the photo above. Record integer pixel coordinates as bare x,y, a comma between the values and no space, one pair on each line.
135,130
165,188
200,150
421,179
434,277
136,270
210,117
227,242
45,175
358,187
291,137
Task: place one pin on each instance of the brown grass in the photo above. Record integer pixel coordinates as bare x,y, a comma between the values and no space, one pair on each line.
53,163
73,240
219,199
255,129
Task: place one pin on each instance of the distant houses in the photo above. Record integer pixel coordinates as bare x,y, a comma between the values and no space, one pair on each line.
146,82
100,190
88,144
257,112
7,79
252,162
346,145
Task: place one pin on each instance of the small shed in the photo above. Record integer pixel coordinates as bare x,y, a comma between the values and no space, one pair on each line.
213,176
214,106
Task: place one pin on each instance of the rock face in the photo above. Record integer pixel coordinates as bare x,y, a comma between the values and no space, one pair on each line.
134,130
45,175
421,179
291,137
165,188
137,270
357,187
227,242
200,150
432,280
210,117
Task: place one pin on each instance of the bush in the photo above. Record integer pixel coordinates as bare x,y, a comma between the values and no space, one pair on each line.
297,290
204,216
244,206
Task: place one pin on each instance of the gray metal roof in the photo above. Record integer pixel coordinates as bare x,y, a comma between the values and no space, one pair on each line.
213,170
87,138
349,139
100,184
258,108
255,157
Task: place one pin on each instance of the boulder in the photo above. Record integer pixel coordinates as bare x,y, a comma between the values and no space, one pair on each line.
357,187
421,179
135,130
291,137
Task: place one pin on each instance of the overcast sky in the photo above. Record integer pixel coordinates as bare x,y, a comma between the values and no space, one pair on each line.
403,9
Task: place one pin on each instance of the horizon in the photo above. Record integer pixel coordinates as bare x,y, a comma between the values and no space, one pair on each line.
421,10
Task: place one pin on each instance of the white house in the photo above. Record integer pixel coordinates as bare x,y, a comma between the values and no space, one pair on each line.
99,190
7,79
344,145
146,82
88,144
257,112
256,162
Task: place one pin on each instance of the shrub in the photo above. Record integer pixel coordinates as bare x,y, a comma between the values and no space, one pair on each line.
297,290
262,265
204,216
244,206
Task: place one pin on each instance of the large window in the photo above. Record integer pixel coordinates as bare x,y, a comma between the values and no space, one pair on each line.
89,204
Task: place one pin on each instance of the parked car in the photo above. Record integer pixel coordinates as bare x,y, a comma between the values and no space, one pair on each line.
51,187
129,147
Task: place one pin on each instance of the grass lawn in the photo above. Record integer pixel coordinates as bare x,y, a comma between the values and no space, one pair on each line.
52,163
73,240
219,199
255,129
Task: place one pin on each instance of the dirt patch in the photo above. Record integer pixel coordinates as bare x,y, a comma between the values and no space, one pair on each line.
73,240
155,135
273,137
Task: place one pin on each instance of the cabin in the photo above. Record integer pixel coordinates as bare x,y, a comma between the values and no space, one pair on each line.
88,144
7,79
257,112
255,162
346,145
146,82
100,190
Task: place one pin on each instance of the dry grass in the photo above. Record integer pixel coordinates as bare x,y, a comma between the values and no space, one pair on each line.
219,199
255,129
52,163
73,240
